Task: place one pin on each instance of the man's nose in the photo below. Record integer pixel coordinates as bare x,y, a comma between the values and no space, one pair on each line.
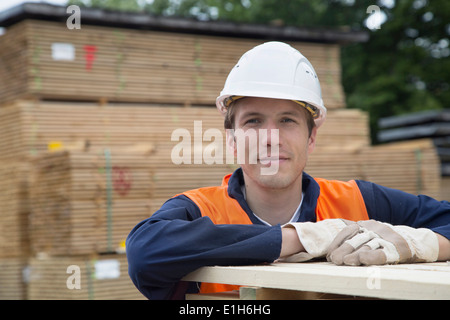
270,134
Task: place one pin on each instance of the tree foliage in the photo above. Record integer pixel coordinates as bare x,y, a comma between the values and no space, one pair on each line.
404,67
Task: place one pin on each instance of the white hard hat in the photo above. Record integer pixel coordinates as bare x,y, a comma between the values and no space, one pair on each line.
274,70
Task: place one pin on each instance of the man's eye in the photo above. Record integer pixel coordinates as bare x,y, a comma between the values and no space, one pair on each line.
287,120
250,121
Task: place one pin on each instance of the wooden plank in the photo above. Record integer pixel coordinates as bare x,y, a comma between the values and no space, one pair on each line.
415,281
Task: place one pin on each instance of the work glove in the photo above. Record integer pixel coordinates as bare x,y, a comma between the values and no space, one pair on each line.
315,237
376,243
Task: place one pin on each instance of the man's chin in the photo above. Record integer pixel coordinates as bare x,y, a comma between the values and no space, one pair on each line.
276,179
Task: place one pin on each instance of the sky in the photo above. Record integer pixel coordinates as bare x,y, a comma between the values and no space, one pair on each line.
6,4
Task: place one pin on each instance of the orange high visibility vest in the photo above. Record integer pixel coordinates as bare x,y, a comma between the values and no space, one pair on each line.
337,200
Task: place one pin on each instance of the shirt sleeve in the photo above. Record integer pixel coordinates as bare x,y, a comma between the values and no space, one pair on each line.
400,208
177,240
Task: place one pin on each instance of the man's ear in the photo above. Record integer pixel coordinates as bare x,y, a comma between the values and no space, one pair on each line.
312,140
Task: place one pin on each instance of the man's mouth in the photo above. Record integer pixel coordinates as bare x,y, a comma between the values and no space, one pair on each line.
271,159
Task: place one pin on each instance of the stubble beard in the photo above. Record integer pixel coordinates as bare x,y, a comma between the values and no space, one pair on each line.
283,179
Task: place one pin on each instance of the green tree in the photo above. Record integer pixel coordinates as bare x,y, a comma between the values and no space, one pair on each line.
405,66
128,5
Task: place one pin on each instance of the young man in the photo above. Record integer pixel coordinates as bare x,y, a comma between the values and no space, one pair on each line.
256,217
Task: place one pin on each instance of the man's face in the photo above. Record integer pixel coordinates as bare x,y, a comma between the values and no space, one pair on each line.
287,142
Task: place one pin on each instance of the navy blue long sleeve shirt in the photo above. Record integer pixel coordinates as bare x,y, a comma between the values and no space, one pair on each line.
177,240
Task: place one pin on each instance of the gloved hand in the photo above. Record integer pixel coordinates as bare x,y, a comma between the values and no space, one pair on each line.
315,237
376,243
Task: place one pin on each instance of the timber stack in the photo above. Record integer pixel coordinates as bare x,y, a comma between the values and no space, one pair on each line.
433,125
90,119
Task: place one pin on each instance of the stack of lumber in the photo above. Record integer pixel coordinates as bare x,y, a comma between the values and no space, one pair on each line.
76,209
28,127
12,284
77,175
14,209
84,203
413,167
11,129
32,126
431,124
103,277
408,166
14,242
46,60
344,128
14,62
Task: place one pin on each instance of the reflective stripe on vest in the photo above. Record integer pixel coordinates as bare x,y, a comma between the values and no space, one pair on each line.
337,200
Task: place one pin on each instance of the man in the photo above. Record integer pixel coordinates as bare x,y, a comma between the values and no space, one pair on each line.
285,215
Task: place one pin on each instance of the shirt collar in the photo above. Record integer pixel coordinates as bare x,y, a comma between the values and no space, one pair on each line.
310,188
